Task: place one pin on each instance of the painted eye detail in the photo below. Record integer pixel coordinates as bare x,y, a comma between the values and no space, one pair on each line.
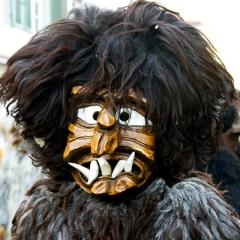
89,114
127,116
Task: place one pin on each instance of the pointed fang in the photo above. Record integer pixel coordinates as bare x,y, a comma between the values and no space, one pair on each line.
104,166
118,168
129,163
94,171
82,169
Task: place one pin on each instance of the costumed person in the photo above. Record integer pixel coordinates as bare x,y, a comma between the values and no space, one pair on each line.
231,131
17,174
225,166
121,104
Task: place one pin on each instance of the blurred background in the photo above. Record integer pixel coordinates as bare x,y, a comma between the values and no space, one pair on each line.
21,19
218,19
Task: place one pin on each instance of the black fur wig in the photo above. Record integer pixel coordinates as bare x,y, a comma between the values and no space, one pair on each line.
144,47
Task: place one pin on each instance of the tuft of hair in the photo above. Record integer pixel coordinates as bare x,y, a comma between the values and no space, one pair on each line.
144,47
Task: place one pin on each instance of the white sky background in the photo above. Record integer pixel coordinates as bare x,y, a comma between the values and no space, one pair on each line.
220,23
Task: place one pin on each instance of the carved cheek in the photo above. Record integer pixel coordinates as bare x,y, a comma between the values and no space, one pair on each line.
141,141
79,138
103,141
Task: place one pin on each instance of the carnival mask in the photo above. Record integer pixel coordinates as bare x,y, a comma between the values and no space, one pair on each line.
110,151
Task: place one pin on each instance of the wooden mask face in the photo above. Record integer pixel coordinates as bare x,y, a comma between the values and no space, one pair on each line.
110,151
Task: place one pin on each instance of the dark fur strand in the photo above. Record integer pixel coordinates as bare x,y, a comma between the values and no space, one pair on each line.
191,209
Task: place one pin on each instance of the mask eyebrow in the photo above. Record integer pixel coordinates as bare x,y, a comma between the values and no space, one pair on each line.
132,99
83,90
131,103
85,100
83,95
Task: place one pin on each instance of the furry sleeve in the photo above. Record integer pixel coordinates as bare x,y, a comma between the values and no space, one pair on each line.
194,210
190,210
63,211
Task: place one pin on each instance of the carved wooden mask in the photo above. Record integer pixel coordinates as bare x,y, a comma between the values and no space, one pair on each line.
110,151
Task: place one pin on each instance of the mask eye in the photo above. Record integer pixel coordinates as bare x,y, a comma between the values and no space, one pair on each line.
89,114
127,116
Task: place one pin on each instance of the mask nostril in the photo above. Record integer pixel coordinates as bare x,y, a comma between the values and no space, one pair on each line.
106,127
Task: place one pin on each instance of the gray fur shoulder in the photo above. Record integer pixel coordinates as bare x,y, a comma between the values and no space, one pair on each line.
192,209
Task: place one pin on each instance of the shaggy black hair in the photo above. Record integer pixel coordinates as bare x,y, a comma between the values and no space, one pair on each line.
144,47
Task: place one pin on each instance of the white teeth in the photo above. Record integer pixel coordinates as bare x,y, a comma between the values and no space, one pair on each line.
118,168
91,174
94,171
104,166
123,164
83,170
129,163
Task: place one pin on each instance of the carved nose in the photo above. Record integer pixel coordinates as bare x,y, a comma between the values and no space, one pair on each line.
106,134
106,119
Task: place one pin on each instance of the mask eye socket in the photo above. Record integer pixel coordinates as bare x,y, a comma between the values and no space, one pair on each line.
127,116
89,114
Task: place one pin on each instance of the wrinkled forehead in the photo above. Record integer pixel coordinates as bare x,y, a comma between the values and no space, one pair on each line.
104,93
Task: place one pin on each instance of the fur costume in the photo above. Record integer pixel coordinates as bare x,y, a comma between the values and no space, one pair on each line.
225,166
231,131
120,104
190,209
